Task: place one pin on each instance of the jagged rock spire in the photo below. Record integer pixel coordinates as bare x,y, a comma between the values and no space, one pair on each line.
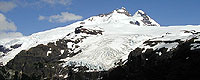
123,11
145,19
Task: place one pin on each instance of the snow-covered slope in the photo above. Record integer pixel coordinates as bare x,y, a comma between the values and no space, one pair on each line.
104,41
101,52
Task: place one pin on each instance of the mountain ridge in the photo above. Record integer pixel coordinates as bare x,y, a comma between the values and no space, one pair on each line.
97,44
123,16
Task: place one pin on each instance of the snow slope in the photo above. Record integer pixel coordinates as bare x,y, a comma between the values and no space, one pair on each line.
102,52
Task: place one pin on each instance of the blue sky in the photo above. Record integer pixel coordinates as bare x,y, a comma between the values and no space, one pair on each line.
24,17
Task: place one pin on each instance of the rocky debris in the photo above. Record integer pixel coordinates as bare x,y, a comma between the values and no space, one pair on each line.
135,23
104,15
191,31
16,46
3,49
123,11
145,18
152,43
82,22
7,74
81,29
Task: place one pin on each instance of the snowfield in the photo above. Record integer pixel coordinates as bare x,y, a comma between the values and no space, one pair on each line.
102,52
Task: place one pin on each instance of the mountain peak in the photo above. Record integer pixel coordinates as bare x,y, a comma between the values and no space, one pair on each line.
121,15
142,17
140,12
122,10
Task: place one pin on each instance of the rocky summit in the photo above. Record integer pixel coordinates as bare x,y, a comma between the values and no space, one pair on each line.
110,46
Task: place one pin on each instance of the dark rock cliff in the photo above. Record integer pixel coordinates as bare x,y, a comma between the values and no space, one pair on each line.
180,64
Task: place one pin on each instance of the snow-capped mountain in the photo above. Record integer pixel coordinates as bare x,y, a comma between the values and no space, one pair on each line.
119,16
140,18
99,43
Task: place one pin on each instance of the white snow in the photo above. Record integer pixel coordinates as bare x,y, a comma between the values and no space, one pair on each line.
195,46
62,51
169,46
66,76
70,45
159,53
66,59
1,53
48,52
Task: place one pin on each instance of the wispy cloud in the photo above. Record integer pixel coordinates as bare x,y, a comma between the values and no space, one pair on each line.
62,17
6,25
7,6
8,28
11,35
41,18
62,2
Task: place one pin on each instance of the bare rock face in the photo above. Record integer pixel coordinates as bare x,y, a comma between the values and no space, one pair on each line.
135,23
81,29
4,50
41,62
15,46
123,11
37,63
